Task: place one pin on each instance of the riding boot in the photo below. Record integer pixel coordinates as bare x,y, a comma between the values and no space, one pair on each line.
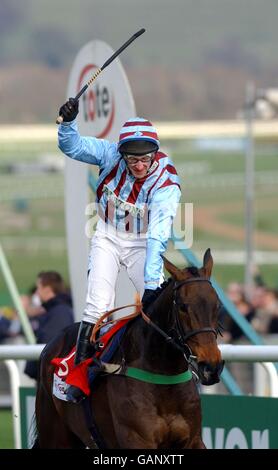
84,350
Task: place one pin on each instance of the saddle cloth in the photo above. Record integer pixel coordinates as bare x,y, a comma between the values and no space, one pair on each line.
83,375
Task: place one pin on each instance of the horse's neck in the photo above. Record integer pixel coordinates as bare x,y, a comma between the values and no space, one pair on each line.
157,355
162,309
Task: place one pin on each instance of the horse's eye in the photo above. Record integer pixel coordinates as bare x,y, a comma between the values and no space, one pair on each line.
183,307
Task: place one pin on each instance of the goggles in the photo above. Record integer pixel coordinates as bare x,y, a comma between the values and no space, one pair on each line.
133,160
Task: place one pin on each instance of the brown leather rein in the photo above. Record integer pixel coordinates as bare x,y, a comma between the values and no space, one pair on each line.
100,323
138,311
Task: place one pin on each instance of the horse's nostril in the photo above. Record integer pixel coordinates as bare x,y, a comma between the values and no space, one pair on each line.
206,366
211,369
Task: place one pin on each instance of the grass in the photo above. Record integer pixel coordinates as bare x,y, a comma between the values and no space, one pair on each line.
6,430
224,274
266,221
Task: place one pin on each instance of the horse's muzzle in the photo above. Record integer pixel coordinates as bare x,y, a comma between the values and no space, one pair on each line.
210,374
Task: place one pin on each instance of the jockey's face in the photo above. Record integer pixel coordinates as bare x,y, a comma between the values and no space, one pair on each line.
139,165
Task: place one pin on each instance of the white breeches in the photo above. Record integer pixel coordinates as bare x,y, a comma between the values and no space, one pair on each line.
107,255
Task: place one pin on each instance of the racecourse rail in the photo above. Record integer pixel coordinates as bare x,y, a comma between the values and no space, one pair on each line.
230,352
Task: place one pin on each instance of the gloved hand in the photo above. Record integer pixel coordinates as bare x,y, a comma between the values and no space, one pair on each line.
69,110
149,297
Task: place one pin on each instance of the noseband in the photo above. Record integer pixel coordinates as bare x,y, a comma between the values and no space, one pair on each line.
182,335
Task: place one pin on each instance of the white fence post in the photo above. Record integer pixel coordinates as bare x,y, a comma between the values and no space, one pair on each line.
15,383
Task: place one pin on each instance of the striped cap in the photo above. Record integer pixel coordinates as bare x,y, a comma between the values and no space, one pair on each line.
138,131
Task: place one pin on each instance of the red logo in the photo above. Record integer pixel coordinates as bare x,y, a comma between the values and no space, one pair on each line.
97,103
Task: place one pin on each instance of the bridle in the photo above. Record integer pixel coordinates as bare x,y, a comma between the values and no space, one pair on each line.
178,340
182,335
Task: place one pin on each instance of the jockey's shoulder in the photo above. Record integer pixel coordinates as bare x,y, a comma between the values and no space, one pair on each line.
164,159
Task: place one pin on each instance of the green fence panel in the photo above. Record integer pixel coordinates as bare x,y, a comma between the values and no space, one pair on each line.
27,408
243,422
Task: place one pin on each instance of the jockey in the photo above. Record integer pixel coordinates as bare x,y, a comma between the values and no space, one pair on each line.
137,196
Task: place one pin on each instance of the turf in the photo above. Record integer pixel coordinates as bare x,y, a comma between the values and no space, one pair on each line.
6,430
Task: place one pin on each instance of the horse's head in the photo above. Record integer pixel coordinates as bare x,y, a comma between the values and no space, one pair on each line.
195,311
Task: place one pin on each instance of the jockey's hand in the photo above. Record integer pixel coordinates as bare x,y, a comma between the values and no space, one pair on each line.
149,297
69,110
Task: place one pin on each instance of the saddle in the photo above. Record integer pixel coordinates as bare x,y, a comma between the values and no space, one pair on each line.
109,336
84,374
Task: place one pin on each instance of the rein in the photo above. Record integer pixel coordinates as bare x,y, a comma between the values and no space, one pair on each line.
138,311
100,323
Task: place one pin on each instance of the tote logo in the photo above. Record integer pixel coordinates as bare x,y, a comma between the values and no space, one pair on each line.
97,103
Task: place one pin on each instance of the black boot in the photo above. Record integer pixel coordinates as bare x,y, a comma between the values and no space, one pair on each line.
84,349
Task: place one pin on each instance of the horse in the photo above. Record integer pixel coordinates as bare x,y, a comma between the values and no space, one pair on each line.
179,336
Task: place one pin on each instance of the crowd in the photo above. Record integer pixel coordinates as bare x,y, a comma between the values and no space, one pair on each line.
260,310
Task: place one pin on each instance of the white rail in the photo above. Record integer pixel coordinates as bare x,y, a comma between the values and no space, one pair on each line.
15,383
230,352
249,353
21,351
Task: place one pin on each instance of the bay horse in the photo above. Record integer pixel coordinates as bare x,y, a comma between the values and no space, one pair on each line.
134,414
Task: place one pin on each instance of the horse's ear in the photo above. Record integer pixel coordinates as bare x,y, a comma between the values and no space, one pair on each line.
172,269
207,264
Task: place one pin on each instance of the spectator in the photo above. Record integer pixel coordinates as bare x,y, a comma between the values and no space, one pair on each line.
9,324
5,328
269,311
58,312
235,293
32,303
273,325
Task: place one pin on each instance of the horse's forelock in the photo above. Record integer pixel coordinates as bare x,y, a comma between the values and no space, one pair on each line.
193,270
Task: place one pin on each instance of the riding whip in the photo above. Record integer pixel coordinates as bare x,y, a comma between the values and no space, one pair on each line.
60,119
